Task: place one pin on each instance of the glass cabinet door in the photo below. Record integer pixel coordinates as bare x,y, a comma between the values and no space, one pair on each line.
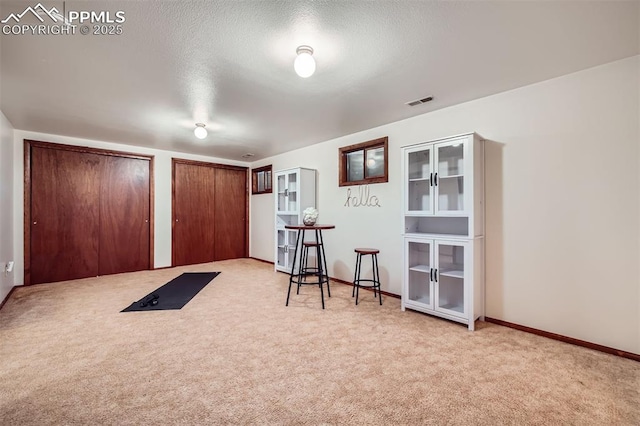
287,192
419,255
281,192
281,248
291,246
285,247
292,192
450,278
420,180
449,176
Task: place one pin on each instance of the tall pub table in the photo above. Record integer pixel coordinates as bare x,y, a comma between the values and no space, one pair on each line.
300,275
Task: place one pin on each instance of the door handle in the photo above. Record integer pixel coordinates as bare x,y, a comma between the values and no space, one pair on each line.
430,179
435,275
430,274
435,179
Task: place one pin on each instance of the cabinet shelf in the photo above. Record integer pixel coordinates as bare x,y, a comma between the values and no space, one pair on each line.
453,274
424,300
453,307
450,176
421,268
420,179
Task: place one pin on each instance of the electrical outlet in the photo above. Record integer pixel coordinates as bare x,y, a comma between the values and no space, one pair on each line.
9,267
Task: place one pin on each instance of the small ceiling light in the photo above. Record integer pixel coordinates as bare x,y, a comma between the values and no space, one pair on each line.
200,131
304,64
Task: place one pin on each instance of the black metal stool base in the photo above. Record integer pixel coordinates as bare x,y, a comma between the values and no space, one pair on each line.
375,281
305,271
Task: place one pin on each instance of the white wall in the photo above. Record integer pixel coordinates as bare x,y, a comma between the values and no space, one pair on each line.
162,194
6,205
562,202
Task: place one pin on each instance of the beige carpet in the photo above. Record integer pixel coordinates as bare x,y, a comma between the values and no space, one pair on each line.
236,355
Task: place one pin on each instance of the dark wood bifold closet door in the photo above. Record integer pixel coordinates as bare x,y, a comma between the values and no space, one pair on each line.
209,212
64,215
124,215
87,212
230,208
193,214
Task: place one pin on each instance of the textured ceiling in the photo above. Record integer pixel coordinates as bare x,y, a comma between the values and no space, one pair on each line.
229,64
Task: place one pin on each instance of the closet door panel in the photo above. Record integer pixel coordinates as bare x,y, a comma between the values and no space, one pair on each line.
64,224
230,207
124,215
193,214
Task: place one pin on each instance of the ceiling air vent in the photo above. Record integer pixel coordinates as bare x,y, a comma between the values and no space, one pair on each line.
420,101
247,155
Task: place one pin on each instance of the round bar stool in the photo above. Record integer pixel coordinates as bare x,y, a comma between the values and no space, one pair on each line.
305,269
375,281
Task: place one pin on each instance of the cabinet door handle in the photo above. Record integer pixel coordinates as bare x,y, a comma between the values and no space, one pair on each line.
435,179
430,179
435,275
286,192
430,274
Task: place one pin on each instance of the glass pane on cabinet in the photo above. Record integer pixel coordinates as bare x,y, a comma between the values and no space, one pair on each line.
293,182
419,255
282,202
282,198
451,193
419,165
419,197
419,287
419,185
292,201
281,248
281,183
451,294
292,241
355,166
375,162
451,278
450,180
451,160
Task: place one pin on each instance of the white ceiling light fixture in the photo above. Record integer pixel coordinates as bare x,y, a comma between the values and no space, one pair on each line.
200,131
304,64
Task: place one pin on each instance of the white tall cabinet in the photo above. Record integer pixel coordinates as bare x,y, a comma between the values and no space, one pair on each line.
295,190
443,218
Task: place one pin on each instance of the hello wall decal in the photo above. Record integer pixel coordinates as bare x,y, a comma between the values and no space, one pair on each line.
364,198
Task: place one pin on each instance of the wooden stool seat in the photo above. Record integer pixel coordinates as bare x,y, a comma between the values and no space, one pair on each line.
310,244
366,251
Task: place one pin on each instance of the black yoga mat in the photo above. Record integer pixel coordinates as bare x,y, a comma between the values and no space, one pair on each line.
176,293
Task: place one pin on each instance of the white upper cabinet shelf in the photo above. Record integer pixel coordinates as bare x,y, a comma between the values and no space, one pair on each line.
444,179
